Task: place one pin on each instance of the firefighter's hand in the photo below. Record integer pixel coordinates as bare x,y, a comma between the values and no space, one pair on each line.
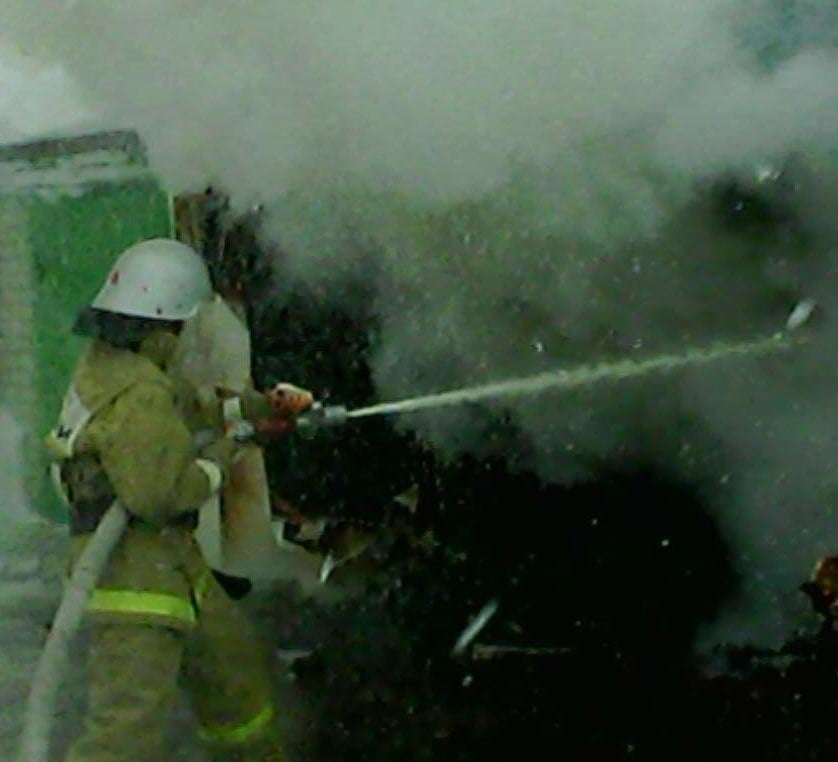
287,403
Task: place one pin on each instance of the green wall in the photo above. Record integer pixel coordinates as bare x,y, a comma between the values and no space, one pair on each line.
74,241
98,202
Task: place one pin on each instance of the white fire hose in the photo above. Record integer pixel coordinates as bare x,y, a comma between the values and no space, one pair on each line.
41,705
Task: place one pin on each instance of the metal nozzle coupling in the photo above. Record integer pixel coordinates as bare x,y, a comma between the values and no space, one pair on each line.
323,416
242,431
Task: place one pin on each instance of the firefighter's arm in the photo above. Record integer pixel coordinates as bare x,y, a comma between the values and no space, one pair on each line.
147,452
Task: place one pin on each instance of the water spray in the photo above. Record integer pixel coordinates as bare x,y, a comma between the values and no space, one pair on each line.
574,378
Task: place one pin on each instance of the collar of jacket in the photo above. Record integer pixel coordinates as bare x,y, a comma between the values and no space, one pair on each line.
159,347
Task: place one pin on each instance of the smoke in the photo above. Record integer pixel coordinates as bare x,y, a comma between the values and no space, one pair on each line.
427,98
32,554
528,185
793,108
36,99
12,471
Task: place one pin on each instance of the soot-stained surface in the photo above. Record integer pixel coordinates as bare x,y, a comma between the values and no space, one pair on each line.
606,583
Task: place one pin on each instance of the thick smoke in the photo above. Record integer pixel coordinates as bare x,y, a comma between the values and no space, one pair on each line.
36,99
527,183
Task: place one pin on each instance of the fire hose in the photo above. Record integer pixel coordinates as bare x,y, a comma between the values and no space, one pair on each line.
40,708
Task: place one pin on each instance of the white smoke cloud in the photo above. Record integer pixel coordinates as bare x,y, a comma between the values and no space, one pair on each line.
36,99
430,98
747,116
526,174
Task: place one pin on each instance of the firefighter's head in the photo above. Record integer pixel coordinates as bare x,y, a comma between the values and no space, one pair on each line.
154,284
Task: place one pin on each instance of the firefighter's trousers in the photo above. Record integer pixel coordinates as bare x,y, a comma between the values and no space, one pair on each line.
136,668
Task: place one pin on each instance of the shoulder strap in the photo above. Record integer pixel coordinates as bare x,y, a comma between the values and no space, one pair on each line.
73,420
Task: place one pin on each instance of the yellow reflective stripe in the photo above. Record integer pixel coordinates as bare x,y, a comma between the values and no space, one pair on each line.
134,602
242,733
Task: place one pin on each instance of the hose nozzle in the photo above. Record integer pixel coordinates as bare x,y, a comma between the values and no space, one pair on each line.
323,416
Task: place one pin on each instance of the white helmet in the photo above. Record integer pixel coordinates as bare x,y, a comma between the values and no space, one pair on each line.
157,279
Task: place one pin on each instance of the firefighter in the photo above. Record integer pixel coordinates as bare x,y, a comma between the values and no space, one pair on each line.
159,615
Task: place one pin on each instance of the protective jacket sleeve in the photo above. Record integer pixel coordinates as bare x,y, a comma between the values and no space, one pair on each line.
255,405
147,451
